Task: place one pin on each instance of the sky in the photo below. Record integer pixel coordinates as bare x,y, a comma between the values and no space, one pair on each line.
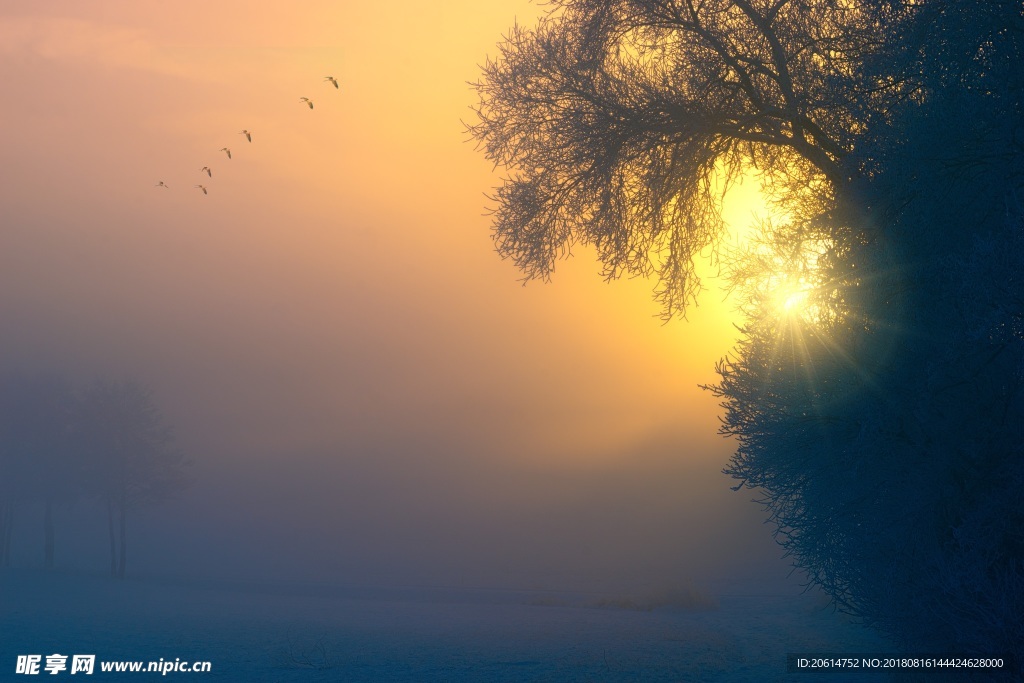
366,390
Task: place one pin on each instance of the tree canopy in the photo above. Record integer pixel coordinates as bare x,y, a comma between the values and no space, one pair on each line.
59,445
881,422
621,123
131,448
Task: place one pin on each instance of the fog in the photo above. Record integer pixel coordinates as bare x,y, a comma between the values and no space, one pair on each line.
378,518
366,392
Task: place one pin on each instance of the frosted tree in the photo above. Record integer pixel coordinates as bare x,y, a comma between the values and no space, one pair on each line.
621,123
878,418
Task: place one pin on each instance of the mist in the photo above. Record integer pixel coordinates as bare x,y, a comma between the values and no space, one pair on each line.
421,497
365,446
365,391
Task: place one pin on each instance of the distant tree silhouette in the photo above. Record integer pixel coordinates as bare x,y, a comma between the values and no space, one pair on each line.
8,482
37,451
883,425
131,455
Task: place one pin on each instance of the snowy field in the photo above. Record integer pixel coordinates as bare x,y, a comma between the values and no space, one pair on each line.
316,633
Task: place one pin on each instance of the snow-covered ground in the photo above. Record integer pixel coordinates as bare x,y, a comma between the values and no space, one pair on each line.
296,632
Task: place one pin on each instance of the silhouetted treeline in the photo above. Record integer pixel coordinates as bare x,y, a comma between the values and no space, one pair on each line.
888,438
881,423
106,443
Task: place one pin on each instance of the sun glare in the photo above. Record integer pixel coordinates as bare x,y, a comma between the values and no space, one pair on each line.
779,281
789,284
791,299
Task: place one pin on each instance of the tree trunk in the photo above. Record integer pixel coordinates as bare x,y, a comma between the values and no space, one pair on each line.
6,531
120,567
113,539
48,536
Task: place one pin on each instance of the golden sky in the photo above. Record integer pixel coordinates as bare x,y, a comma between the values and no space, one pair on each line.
337,289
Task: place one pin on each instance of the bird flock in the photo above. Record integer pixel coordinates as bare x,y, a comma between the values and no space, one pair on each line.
248,137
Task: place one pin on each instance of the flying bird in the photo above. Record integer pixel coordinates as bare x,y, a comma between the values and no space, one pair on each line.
226,151
163,185
202,188
307,101
206,170
333,80
247,134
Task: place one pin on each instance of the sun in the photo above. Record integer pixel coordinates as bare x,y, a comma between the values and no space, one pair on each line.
779,268
791,303
784,285
790,297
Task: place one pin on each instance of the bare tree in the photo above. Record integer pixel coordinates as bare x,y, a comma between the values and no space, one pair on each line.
8,464
37,452
622,123
882,429
131,454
